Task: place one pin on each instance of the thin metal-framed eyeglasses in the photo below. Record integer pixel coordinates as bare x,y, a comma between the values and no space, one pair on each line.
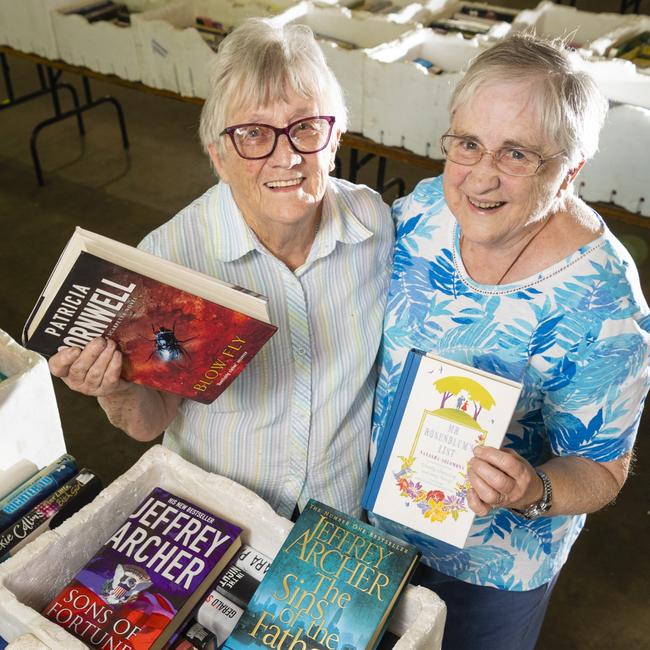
256,141
514,161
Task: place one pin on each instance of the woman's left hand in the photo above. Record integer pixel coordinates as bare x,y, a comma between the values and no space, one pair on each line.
501,478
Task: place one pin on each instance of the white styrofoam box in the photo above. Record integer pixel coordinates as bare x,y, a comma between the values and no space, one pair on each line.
175,56
100,46
618,172
27,26
583,27
30,428
348,65
620,80
32,577
392,76
619,34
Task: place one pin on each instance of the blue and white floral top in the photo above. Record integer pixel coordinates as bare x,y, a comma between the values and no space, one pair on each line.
576,335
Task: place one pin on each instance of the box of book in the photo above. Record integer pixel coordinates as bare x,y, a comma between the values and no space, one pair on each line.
622,147
441,411
27,26
559,21
179,41
97,34
345,37
424,66
30,427
32,579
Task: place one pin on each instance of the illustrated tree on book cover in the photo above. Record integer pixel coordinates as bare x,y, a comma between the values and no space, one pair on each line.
463,402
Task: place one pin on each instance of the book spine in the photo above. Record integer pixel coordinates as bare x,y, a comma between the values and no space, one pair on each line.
34,490
411,365
50,513
253,562
219,615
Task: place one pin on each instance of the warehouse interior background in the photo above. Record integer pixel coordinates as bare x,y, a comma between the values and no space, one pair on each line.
602,600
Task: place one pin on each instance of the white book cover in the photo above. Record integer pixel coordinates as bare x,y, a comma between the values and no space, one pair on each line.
441,411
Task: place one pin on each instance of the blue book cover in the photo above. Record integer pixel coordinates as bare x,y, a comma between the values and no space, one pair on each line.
332,585
34,490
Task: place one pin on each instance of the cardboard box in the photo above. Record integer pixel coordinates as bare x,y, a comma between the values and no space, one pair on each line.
30,428
363,32
618,171
101,46
406,106
31,578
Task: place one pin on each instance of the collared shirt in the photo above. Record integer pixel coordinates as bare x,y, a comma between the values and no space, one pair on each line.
576,335
296,423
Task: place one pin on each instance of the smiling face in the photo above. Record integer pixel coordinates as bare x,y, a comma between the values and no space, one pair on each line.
492,208
286,189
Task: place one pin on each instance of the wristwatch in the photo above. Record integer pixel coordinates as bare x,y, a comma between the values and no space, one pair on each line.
537,509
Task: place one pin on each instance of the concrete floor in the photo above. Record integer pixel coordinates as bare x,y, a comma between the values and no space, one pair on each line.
602,598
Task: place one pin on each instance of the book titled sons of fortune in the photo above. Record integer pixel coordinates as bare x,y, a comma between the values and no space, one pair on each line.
143,584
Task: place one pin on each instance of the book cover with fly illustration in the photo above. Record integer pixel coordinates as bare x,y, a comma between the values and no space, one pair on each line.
172,340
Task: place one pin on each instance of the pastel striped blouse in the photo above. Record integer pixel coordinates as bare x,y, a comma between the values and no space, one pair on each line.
296,423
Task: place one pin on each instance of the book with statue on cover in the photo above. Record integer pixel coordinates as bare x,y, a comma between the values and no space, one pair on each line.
180,331
333,584
143,585
441,411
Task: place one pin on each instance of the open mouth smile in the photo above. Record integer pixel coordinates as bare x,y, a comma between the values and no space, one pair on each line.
293,182
486,205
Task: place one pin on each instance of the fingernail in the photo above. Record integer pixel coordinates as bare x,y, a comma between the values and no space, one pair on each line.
75,352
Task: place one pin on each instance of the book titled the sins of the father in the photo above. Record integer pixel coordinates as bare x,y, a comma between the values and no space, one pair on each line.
440,412
139,589
179,330
332,586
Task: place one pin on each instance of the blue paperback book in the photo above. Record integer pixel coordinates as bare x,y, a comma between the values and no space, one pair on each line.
332,585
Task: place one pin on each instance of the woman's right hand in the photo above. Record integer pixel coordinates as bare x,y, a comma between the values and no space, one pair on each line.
95,370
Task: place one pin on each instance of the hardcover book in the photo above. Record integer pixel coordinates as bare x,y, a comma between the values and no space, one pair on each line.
441,411
143,585
49,513
180,331
332,585
20,500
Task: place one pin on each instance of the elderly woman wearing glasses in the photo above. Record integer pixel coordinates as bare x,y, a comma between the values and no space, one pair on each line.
500,266
296,423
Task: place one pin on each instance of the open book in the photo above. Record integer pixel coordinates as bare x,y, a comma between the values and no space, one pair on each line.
440,412
180,331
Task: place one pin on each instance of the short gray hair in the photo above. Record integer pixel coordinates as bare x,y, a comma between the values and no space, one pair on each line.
572,109
258,63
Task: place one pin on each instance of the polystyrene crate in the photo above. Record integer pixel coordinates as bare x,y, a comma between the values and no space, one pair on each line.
364,32
581,27
32,577
175,56
26,25
30,428
100,46
406,106
618,172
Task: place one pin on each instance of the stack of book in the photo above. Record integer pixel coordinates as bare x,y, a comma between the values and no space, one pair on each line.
635,49
106,10
212,31
471,21
43,502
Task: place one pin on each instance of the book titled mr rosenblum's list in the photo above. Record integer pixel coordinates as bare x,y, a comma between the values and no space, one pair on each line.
145,582
180,331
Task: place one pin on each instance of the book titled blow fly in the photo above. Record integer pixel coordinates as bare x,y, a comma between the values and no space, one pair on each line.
332,585
179,330
143,585
440,412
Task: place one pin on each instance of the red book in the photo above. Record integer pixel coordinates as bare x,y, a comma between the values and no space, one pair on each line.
180,331
143,585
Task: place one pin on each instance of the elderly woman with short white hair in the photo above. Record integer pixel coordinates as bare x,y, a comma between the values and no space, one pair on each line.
500,266
295,424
